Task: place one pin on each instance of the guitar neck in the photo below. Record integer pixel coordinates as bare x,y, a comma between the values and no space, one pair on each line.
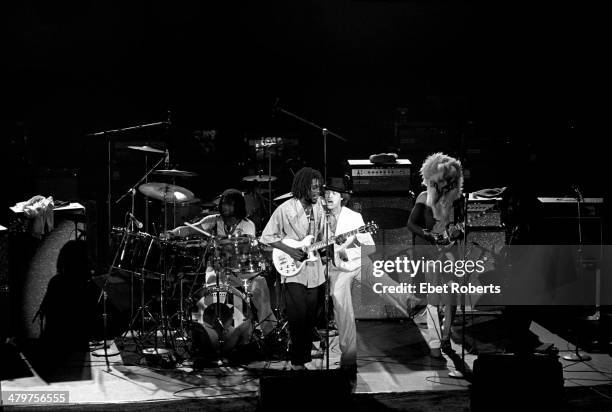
322,243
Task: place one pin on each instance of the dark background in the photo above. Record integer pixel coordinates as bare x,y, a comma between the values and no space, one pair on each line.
512,88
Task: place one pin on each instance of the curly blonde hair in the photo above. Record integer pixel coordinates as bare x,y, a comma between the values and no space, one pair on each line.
442,166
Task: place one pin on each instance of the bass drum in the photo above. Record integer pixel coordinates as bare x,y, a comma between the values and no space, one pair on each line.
224,305
222,321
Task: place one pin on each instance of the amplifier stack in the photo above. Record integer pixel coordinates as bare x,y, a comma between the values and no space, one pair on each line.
381,192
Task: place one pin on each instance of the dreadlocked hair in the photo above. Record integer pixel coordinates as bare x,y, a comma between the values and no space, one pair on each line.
303,180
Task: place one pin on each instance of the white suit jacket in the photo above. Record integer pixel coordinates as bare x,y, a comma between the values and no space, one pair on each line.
349,220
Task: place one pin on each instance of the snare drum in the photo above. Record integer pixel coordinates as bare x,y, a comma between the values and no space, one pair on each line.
189,253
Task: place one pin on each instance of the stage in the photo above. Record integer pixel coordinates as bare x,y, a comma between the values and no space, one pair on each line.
394,372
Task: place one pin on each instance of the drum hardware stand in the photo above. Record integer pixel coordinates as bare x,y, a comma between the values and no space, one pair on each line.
217,308
129,227
105,349
203,260
247,293
577,356
142,309
146,200
132,192
162,325
108,135
182,316
202,264
281,322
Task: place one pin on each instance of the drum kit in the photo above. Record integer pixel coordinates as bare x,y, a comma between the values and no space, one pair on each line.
195,279
179,282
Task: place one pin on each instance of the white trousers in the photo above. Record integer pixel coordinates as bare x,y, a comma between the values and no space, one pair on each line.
340,292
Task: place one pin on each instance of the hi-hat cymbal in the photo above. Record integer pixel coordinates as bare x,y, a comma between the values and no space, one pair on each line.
174,173
166,192
259,178
283,197
146,149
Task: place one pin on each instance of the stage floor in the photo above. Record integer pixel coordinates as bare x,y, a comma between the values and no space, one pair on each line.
393,358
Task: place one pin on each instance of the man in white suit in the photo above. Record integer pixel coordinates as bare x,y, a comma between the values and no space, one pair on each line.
349,259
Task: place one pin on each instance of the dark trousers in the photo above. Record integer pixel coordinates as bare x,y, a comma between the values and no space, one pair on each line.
301,304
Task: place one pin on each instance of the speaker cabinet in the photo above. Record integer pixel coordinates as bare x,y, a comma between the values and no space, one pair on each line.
305,390
511,383
391,214
392,239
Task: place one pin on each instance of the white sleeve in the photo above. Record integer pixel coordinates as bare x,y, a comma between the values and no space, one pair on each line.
273,232
363,238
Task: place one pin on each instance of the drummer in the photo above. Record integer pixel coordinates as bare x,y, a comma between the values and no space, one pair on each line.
232,221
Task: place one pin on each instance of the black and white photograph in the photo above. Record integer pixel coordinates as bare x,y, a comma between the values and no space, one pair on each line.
365,205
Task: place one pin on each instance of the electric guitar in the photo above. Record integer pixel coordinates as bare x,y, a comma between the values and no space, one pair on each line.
451,236
287,266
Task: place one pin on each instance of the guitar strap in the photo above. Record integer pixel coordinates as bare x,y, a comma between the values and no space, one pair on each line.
312,223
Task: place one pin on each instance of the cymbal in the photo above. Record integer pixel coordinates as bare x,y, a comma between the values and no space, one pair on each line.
283,197
259,178
146,149
166,192
174,173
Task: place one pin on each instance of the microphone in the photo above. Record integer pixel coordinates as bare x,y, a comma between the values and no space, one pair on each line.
167,160
137,222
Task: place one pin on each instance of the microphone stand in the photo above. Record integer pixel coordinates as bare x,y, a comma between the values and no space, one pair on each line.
577,356
107,134
460,373
132,189
104,351
324,132
326,306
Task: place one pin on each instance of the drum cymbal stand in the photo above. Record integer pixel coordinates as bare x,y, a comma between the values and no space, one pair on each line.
246,283
180,334
133,225
143,312
280,333
143,309
103,296
132,192
160,324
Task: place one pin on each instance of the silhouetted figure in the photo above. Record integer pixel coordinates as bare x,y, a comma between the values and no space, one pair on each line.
68,308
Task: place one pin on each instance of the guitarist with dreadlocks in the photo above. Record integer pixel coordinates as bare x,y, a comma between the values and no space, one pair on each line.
296,218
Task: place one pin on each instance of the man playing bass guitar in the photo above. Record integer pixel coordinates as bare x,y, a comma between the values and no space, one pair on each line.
296,218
